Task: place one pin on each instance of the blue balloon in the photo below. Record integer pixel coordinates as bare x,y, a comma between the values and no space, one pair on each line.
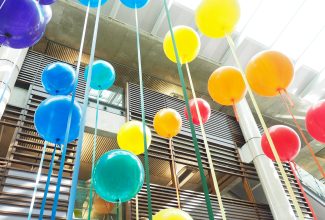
118,176
58,78
93,3
135,3
51,119
46,2
47,12
103,75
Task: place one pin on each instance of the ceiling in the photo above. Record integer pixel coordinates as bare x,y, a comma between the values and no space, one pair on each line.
295,27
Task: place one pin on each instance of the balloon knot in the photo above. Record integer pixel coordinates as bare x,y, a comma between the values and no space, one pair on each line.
8,35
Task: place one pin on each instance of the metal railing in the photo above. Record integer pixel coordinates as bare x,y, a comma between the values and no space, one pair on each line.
312,184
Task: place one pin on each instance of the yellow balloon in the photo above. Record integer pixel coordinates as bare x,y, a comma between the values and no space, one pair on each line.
172,214
217,18
269,72
226,86
167,123
187,42
130,137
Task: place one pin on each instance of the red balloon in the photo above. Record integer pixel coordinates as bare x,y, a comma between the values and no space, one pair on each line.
204,108
286,141
315,121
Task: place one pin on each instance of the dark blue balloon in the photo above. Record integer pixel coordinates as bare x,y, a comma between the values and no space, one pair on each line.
46,2
93,3
135,3
51,119
58,78
103,75
47,12
22,23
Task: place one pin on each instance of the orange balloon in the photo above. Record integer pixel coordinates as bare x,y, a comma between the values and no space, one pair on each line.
226,85
269,72
167,123
101,206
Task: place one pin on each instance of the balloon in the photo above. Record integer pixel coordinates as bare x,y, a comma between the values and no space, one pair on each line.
204,108
226,86
46,2
103,75
93,3
315,121
51,119
167,123
135,3
47,13
21,25
286,142
102,207
130,137
172,214
187,41
58,78
217,18
269,72
118,176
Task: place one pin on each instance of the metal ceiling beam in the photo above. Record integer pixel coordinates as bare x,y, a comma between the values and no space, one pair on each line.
161,18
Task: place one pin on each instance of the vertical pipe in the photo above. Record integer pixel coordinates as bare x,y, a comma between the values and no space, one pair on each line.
270,181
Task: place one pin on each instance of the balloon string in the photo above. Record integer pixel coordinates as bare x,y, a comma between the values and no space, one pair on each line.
93,159
294,171
143,117
137,207
118,212
38,177
171,148
75,174
193,132
288,97
320,168
48,183
212,170
235,111
266,131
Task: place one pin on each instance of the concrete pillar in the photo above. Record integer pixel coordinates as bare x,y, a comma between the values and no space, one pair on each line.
11,61
270,181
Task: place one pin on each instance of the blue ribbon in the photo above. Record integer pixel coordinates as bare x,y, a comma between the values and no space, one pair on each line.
48,183
38,177
75,175
93,159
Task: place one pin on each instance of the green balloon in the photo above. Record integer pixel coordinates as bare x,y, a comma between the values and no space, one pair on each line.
118,176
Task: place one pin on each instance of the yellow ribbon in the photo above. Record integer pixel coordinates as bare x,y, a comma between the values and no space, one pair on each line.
266,131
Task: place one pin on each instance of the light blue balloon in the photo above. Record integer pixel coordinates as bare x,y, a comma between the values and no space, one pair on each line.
93,3
103,75
58,78
135,3
118,176
51,118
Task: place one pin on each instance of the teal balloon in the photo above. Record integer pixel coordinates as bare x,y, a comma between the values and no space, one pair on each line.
58,78
135,3
93,3
103,75
118,176
51,118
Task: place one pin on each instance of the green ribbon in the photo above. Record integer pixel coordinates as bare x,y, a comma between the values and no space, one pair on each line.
143,117
196,147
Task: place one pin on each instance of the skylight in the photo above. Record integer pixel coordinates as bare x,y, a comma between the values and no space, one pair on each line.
192,4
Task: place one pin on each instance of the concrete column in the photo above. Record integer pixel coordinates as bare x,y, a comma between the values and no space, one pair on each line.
270,181
11,61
